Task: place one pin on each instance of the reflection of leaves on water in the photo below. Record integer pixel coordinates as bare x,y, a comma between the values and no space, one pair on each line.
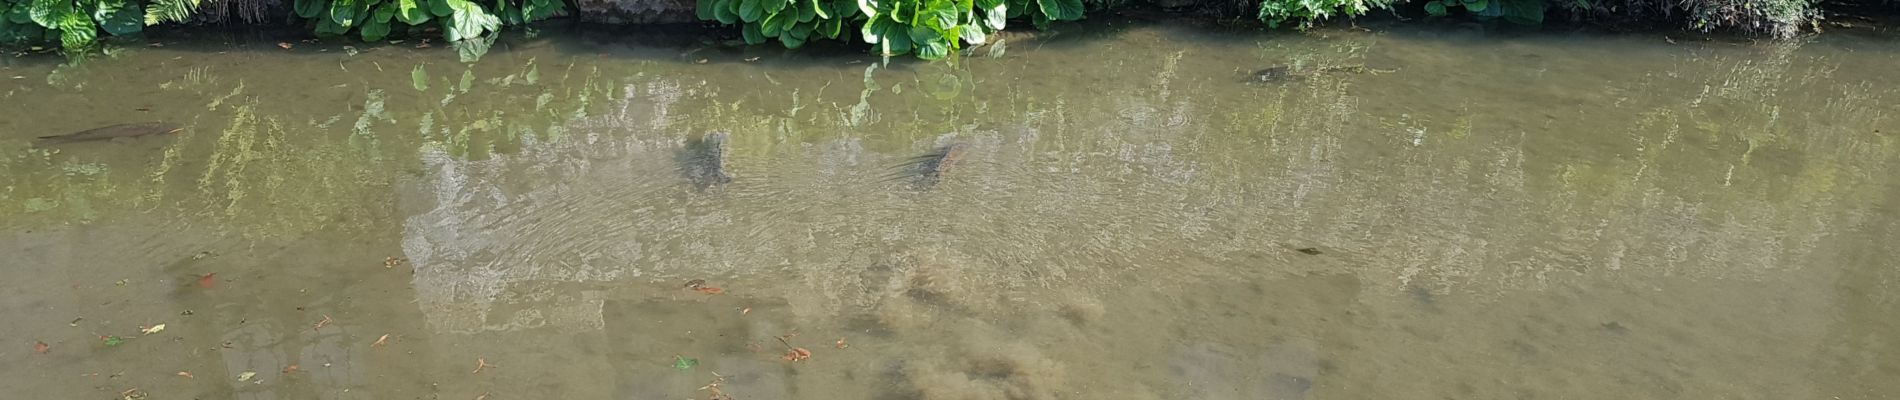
471,50
862,114
419,78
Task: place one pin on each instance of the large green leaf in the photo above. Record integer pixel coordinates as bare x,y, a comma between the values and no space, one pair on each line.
119,17
76,30
831,28
890,37
49,13
772,6
383,14
20,32
1017,7
843,9
772,24
536,10
818,7
374,30
311,8
1435,8
704,9
995,14
795,36
1061,10
751,11
412,12
328,27
752,34
935,48
722,11
973,34
468,20
21,14
344,12
441,8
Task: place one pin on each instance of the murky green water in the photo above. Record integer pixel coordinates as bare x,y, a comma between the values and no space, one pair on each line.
1503,216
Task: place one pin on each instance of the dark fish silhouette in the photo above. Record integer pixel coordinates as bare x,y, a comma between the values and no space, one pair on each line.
112,132
704,160
929,169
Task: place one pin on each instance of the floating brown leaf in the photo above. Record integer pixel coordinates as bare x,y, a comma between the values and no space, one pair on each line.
797,354
41,347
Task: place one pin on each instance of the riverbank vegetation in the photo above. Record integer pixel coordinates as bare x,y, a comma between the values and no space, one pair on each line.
928,29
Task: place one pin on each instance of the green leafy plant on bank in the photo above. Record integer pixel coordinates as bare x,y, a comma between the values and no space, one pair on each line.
1306,12
375,20
931,29
1528,12
76,23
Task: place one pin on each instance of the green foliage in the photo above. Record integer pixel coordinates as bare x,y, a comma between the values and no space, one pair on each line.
1780,18
930,29
161,11
459,20
1276,12
1529,12
76,24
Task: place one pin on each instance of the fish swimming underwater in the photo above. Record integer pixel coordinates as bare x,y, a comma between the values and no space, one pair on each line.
128,130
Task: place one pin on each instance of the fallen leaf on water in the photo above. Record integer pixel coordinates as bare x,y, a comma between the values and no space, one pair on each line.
797,354
292,368
75,321
380,341
484,396
683,363
320,324
392,262
747,310
285,45
751,59
41,347
481,363
709,290
208,281
701,61
696,283
153,329
841,343
246,376
132,394
112,340
185,374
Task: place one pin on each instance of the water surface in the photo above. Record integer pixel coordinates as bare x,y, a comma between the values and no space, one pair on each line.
1491,216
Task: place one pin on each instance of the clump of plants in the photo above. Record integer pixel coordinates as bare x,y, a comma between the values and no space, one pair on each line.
931,29
375,20
77,23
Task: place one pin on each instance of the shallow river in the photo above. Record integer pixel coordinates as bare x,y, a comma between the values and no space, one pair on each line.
1131,213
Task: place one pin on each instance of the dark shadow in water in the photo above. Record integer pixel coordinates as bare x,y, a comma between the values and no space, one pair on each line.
925,171
703,160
